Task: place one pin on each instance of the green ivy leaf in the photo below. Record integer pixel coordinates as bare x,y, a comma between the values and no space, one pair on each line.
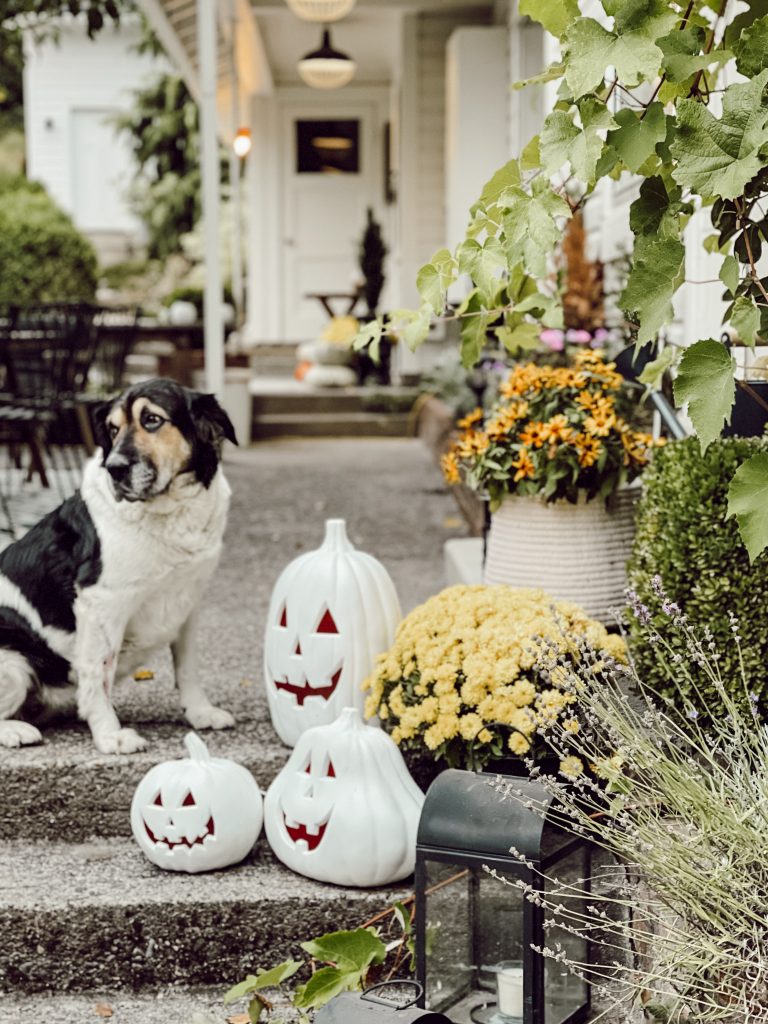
591,49
718,157
729,273
636,137
562,142
705,381
657,271
748,502
745,319
506,177
751,48
348,950
435,278
655,370
682,53
263,979
369,336
323,986
483,263
474,326
554,15
530,229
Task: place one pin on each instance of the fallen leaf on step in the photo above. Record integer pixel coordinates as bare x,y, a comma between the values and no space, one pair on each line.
143,674
246,682
103,1010
239,1018
451,522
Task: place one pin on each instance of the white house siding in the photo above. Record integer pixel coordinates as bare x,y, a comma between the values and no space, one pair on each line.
72,89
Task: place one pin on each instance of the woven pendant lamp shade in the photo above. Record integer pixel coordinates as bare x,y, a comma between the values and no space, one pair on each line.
324,11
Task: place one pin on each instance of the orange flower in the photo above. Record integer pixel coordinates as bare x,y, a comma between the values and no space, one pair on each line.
600,423
449,464
505,419
535,434
475,442
557,429
470,419
588,449
524,465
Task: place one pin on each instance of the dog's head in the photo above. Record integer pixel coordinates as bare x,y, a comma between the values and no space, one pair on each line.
156,431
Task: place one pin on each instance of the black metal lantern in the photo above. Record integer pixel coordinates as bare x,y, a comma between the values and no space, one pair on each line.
474,934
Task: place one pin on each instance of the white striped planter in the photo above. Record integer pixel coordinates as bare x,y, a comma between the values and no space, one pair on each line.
575,553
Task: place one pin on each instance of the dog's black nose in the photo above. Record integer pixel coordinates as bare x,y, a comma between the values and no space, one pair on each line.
118,470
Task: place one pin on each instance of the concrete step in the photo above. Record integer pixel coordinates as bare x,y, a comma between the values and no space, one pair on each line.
330,424
99,916
272,400
277,358
168,1006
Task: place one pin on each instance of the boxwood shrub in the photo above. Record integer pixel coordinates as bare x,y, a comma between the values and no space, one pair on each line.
43,257
684,537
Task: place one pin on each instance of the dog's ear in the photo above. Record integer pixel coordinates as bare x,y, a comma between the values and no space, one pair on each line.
212,426
211,422
101,436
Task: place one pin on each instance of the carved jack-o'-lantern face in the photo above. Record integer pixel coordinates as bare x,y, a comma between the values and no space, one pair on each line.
344,808
197,814
332,611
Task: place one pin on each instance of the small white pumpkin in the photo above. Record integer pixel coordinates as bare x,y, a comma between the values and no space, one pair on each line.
344,809
333,610
196,814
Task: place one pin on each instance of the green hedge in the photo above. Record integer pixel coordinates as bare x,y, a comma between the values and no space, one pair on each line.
684,537
43,257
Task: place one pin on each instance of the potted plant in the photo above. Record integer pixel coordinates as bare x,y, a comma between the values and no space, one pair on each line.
458,687
553,456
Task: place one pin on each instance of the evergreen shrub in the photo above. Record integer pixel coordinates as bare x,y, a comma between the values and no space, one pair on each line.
43,257
684,537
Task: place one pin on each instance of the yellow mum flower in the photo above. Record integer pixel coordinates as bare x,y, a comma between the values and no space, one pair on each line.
571,767
518,744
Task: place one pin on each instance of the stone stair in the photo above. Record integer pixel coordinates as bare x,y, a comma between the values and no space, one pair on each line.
84,917
285,408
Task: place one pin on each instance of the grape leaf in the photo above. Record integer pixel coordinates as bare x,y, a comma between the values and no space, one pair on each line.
522,338
348,950
751,48
506,177
554,15
591,49
562,142
745,319
530,229
729,273
369,336
705,381
474,326
657,211
718,157
657,271
263,979
434,279
683,56
654,371
636,137
550,74
323,986
748,502
530,158
483,263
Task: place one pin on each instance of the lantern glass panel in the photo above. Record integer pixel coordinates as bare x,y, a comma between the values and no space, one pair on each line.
474,923
564,991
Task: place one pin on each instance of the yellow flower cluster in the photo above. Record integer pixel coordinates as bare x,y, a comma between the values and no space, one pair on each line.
555,429
466,660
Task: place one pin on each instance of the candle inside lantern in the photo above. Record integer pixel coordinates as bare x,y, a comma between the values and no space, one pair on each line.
509,990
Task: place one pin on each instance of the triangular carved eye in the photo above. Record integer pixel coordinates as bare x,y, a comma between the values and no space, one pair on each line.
298,648
188,801
326,624
331,773
158,801
283,623
308,768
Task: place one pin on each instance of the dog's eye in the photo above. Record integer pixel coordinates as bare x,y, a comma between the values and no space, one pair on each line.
152,422
113,430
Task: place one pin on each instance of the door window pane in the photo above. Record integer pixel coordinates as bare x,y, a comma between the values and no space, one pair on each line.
328,147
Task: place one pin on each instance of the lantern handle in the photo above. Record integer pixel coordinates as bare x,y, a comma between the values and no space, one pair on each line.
369,998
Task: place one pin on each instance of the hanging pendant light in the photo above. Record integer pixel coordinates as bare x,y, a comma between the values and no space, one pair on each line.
326,68
323,11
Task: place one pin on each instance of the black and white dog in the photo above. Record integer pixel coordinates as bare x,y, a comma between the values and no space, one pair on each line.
117,570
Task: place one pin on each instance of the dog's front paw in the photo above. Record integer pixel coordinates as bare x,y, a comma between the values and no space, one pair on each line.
121,741
209,717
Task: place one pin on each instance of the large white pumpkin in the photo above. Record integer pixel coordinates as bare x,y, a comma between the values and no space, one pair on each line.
332,611
344,809
196,814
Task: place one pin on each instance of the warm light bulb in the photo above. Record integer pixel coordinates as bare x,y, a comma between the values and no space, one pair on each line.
242,142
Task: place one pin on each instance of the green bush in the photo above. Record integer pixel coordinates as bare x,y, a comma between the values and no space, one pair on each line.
684,537
43,257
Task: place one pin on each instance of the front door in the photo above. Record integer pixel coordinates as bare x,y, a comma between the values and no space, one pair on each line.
332,171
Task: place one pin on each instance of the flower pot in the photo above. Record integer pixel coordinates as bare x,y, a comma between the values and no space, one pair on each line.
574,552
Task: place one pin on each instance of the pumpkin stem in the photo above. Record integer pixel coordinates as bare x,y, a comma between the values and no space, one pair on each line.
196,749
350,717
336,538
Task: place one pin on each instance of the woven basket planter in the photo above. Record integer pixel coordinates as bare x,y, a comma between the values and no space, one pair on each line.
575,553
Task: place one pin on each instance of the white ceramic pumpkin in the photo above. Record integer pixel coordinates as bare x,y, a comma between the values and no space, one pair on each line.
344,809
197,814
333,610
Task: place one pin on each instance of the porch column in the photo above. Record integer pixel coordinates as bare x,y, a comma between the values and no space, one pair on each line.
213,327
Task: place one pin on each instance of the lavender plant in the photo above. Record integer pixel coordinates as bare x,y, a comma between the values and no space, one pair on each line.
677,911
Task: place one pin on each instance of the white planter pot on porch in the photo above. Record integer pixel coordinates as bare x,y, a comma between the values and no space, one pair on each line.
574,552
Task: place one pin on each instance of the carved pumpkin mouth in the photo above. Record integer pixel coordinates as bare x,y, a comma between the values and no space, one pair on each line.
305,690
162,841
298,833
